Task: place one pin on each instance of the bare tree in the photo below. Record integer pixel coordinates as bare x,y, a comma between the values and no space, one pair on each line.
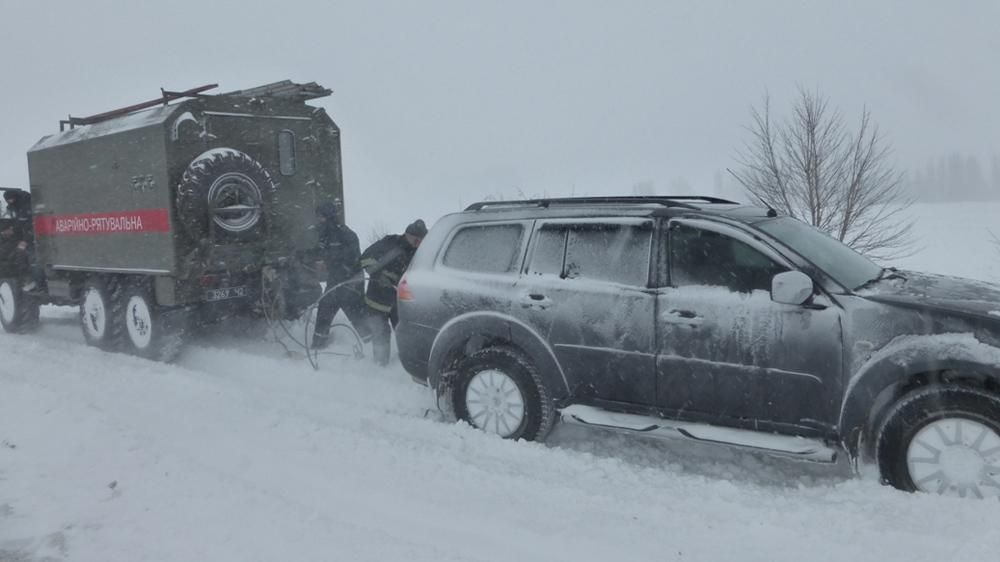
378,231
811,167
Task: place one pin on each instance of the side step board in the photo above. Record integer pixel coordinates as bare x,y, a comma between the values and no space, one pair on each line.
771,443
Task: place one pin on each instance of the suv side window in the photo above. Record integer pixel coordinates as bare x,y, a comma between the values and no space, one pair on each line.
703,257
550,251
493,248
618,253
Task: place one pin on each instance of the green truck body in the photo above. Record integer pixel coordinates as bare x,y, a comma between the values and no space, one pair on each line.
105,195
178,212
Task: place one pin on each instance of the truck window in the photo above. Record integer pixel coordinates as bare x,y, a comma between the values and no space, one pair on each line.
286,153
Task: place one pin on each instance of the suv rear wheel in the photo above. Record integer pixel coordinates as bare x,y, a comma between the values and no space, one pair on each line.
499,391
944,440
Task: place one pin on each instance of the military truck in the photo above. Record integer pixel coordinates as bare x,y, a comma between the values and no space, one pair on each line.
186,209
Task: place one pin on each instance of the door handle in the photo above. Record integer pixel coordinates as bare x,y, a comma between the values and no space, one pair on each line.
536,300
687,317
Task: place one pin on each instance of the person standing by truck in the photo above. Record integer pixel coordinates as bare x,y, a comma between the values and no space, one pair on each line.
18,203
18,211
339,253
14,259
386,261
18,208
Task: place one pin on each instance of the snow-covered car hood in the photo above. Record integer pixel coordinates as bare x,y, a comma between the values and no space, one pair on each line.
938,292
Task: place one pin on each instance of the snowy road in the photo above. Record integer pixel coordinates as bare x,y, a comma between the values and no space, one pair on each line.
244,455
237,454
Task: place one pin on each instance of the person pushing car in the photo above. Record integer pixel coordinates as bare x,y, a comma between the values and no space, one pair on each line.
386,261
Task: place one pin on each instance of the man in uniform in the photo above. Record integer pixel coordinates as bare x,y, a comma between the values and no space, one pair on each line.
338,252
14,259
386,261
18,204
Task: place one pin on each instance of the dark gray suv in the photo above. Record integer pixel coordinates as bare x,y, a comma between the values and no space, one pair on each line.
699,318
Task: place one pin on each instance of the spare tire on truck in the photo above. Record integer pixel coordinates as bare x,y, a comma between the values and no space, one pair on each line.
225,192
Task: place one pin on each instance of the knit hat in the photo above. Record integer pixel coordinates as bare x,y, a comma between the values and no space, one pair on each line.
417,229
329,209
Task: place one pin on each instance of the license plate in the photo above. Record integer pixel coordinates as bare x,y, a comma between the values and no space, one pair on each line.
225,293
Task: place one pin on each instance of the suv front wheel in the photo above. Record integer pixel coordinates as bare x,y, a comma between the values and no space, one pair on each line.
499,391
944,440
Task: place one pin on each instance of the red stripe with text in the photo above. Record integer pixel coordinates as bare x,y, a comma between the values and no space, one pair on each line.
121,222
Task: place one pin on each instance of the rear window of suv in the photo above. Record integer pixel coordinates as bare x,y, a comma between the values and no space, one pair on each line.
490,248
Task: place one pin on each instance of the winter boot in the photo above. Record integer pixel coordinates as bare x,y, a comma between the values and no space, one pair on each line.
321,341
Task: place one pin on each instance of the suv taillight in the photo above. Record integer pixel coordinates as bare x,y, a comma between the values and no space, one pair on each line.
403,291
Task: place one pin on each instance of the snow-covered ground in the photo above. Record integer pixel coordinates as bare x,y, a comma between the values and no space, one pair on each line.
238,453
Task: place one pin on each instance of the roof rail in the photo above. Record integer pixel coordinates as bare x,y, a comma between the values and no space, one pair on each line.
664,200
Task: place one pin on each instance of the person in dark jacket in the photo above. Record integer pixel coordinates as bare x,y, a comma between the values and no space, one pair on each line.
14,259
18,209
339,253
18,203
386,261
18,244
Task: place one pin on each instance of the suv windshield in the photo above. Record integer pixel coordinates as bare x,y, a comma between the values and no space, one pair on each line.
835,258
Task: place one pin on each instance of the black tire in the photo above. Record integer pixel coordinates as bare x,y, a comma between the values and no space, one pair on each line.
151,331
101,313
18,311
225,178
538,412
916,411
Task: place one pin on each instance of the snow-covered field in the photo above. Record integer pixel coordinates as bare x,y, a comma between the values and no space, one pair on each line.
238,453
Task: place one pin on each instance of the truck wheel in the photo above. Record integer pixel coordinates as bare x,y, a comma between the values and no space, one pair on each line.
100,313
150,330
225,191
499,391
943,440
18,311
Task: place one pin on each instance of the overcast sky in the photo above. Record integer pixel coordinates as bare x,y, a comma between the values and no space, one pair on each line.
445,102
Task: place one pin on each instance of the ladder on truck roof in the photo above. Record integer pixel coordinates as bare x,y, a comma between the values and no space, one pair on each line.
282,89
165,97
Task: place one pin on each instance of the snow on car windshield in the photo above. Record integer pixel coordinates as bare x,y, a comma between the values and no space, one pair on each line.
835,258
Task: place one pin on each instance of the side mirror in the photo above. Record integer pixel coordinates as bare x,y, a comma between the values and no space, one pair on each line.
791,287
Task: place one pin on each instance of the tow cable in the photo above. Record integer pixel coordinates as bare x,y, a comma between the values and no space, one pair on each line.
278,328
277,319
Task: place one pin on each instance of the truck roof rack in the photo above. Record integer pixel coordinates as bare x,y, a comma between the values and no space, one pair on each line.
683,201
165,97
284,89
